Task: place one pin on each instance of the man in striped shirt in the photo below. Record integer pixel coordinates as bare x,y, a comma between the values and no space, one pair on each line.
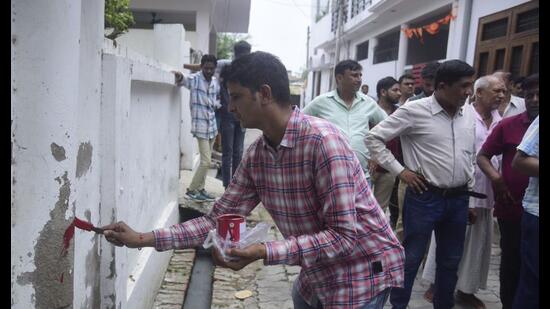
306,175
205,99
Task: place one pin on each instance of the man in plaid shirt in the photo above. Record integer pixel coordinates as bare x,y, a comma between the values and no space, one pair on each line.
306,175
205,99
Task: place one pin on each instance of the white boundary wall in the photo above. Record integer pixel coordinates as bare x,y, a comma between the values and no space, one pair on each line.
96,133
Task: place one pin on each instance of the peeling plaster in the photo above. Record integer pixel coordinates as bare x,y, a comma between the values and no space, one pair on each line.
83,159
50,292
92,277
58,152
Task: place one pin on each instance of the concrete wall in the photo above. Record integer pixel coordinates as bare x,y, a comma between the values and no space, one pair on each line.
96,133
45,148
373,73
203,17
140,40
141,128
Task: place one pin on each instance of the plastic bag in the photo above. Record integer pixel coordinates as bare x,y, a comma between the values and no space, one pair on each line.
255,235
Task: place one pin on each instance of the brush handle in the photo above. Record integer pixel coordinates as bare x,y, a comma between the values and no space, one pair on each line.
97,230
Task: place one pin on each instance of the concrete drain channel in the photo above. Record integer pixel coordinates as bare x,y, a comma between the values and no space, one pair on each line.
199,290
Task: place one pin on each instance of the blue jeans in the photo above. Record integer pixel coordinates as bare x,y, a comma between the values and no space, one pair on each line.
527,294
423,213
232,148
377,302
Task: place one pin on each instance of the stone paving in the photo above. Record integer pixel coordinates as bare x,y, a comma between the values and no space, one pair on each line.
176,279
271,285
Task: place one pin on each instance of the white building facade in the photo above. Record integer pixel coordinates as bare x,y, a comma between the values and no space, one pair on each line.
98,132
490,35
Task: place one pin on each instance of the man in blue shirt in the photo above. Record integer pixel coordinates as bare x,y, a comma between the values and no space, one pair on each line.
526,161
205,99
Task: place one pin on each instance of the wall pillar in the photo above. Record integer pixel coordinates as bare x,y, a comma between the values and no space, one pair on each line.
372,44
45,55
203,31
457,44
402,53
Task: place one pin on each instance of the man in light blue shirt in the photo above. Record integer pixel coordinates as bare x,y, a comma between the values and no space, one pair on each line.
349,109
526,161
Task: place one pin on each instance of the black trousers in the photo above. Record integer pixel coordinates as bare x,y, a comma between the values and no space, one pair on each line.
510,260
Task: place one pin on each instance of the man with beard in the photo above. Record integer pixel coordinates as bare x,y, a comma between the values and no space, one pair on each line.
388,92
350,110
428,75
205,99
406,85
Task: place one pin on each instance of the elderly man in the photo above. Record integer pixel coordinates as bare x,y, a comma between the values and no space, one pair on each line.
351,111
437,139
512,105
474,265
305,174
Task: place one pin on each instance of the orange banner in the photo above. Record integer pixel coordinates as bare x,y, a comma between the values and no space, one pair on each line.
432,28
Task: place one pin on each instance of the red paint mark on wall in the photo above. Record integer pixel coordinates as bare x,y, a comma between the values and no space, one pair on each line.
69,233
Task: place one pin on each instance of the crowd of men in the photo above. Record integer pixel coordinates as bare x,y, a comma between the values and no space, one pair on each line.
456,154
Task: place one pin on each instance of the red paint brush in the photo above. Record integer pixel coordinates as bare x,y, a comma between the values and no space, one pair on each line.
69,233
87,226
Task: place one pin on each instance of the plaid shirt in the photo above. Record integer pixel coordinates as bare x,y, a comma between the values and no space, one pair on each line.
314,188
205,99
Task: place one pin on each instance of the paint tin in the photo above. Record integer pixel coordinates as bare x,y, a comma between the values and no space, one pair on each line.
232,225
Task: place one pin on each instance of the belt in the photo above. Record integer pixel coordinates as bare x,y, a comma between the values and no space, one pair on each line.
456,191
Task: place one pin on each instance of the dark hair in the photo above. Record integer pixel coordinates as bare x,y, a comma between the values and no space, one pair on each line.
385,84
530,82
452,71
257,69
209,58
428,71
241,48
405,76
518,79
344,65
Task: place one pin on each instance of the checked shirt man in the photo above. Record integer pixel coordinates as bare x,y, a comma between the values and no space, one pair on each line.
306,175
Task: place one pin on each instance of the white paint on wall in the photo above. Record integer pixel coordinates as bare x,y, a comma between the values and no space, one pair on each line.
46,92
140,40
95,133
372,73
88,164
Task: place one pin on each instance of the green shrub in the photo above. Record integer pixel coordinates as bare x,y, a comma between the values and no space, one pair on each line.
118,16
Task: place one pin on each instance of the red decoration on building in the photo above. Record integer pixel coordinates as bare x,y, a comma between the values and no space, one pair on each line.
432,28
